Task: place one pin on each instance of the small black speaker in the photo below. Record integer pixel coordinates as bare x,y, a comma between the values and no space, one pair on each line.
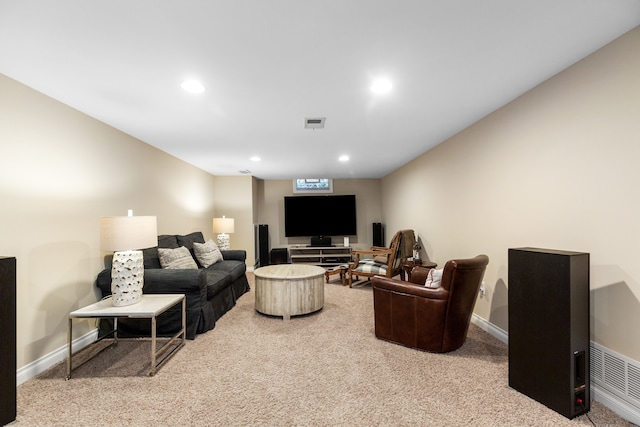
321,241
279,256
378,234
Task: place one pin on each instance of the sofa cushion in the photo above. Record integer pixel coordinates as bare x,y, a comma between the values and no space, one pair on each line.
222,274
187,241
150,255
178,259
168,241
234,269
151,258
370,266
207,254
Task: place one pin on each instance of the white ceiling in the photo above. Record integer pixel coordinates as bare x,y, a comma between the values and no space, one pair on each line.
267,65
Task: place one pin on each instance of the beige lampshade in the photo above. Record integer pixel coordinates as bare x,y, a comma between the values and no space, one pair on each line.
223,225
122,233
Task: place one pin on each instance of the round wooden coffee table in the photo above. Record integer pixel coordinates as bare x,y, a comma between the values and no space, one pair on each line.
289,289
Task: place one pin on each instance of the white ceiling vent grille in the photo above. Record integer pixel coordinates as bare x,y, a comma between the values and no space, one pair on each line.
314,122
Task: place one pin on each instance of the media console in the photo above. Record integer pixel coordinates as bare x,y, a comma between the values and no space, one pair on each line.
323,256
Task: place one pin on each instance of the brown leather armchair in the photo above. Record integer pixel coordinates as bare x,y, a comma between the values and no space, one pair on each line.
430,319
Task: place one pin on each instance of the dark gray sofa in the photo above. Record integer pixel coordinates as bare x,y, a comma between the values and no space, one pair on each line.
210,292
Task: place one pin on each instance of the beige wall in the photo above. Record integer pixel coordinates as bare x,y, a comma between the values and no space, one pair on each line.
60,170
556,168
270,201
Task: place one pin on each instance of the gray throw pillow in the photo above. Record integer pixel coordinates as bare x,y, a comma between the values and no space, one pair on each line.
207,253
177,259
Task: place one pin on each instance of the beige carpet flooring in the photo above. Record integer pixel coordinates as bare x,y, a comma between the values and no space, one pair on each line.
323,369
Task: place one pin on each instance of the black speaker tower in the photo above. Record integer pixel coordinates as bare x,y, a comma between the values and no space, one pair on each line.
378,234
8,340
261,237
549,328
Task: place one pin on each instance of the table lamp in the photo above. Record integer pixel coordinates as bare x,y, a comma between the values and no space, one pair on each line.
125,235
223,226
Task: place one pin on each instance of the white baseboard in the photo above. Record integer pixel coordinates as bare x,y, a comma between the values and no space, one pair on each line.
617,404
47,361
490,328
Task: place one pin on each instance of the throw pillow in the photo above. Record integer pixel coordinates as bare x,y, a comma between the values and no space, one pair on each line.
434,277
381,259
150,255
207,253
176,259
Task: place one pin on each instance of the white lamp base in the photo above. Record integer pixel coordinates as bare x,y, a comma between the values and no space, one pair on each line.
223,241
127,277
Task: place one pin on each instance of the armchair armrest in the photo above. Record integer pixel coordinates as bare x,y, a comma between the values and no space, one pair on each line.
382,251
408,288
164,281
234,254
419,274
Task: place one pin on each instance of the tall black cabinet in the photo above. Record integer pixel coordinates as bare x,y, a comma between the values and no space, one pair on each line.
8,340
549,328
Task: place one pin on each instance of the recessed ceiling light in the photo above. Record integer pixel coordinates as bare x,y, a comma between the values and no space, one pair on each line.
255,159
381,85
343,158
192,86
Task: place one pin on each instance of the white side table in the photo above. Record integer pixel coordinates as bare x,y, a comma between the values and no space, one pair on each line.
149,307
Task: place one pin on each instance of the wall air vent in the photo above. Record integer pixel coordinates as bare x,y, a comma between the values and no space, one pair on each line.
615,373
314,122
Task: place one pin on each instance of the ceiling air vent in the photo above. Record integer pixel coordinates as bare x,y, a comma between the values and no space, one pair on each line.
314,122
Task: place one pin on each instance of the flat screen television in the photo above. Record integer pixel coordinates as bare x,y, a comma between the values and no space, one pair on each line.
328,215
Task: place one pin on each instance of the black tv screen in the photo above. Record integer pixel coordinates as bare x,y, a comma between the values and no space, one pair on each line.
306,216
